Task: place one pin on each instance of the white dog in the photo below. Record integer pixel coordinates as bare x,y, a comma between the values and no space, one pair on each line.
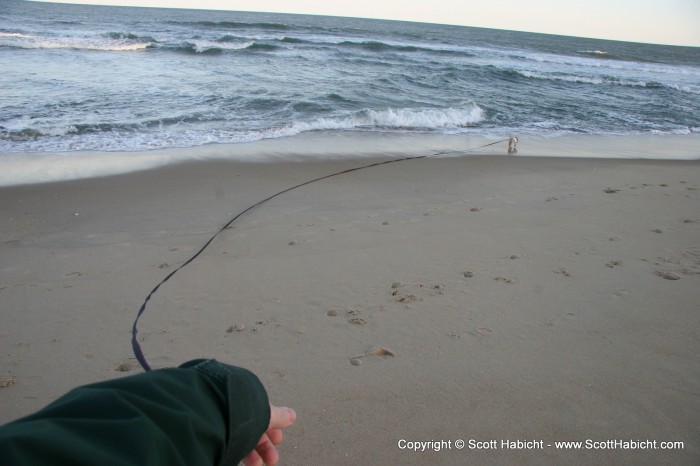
512,143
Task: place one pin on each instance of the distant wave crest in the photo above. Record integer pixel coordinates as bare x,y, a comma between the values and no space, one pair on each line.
225,44
595,53
598,80
378,46
234,25
113,42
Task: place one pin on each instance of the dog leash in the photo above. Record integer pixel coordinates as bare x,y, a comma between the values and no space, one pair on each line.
136,346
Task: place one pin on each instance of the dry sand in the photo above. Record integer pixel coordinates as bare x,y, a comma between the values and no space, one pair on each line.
485,298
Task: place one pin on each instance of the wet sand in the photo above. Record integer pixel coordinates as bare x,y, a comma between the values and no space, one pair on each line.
483,298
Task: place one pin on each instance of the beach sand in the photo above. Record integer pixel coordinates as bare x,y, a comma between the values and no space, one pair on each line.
478,298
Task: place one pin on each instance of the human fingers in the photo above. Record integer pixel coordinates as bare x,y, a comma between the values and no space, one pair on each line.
266,451
253,459
281,418
275,436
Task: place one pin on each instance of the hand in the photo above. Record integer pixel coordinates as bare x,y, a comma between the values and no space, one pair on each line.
265,452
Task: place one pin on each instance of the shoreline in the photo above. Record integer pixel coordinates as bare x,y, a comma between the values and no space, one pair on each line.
480,297
29,168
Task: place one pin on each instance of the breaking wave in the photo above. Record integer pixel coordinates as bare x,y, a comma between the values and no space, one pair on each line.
219,46
110,42
597,80
233,25
389,119
184,132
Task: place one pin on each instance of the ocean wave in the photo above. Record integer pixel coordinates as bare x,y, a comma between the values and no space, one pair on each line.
292,40
255,44
630,56
127,36
29,133
396,119
12,34
106,43
195,46
689,89
201,46
623,64
262,47
24,134
597,53
597,80
376,46
233,25
585,58
230,38
185,131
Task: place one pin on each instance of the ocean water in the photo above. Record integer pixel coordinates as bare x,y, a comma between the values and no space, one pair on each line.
88,78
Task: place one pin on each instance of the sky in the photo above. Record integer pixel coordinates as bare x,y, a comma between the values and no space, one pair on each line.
672,22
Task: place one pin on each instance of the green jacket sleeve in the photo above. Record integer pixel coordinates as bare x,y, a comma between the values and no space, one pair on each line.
199,414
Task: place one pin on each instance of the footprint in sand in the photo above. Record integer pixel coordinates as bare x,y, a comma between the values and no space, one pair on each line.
352,314
504,279
481,333
354,318
236,328
126,366
417,292
407,299
380,352
7,381
550,322
358,321
667,275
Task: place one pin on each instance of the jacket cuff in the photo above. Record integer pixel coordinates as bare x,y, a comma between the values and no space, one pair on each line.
245,403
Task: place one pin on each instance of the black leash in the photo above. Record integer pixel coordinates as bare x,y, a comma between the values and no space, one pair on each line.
138,352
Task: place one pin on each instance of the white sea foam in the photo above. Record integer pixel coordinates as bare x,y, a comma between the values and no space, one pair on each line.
12,34
396,119
594,52
399,120
25,41
203,46
593,80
